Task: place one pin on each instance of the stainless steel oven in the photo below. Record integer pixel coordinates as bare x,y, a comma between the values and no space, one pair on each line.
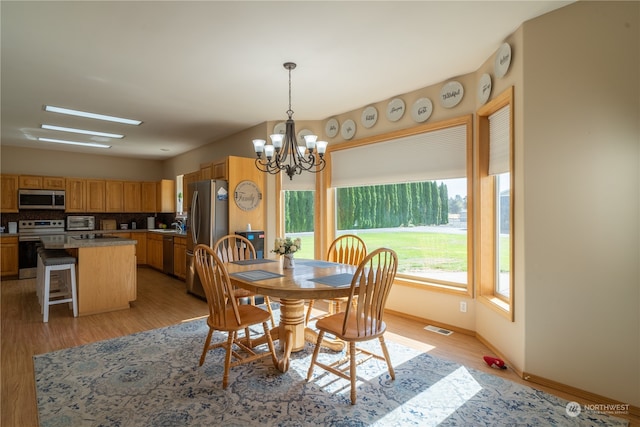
29,234
81,222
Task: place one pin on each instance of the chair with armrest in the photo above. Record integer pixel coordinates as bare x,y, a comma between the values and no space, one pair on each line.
234,247
346,249
227,316
363,318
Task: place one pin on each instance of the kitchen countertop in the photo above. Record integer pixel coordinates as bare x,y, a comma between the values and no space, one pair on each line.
70,242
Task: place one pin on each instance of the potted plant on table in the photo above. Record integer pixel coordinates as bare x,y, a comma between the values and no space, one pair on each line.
287,247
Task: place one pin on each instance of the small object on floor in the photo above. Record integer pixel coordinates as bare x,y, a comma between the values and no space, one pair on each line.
494,362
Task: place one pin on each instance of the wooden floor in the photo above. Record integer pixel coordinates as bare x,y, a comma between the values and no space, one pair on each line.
162,301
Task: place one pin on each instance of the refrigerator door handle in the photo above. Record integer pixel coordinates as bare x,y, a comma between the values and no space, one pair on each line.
195,225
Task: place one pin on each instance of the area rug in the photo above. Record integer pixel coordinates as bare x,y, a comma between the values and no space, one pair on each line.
153,379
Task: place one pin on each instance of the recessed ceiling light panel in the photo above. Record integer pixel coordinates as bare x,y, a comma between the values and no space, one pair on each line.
82,131
84,144
79,113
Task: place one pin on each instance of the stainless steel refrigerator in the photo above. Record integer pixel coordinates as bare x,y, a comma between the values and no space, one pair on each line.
207,221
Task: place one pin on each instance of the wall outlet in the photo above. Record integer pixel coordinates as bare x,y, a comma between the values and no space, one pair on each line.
463,306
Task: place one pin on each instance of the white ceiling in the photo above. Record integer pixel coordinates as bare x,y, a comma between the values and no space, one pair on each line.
195,72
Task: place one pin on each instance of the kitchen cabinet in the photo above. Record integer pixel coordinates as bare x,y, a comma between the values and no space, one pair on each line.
149,197
35,182
9,193
31,182
95,195
8,256
75,195
114,196
180,257
141,244
214,170
166,196
186,180
206,171
154,250
132,196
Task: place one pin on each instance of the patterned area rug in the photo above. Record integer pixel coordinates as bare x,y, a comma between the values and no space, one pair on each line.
153,379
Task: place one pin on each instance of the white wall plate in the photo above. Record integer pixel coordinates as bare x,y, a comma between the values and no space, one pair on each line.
348,129
484,88
421,110
331,128
369,117
502,61
395,109
451,94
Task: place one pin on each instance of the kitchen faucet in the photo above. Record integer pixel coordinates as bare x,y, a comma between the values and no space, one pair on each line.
179,225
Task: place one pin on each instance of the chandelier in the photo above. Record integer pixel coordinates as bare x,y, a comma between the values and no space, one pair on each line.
284,153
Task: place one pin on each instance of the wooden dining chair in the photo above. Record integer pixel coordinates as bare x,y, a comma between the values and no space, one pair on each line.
227,316
362,320
234,247
346,249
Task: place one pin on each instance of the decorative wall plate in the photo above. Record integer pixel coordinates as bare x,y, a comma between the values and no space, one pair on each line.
348,129
395,109
369,117
301,135
502,61
421,110
484,88
331,128
247,195
451,94
280,128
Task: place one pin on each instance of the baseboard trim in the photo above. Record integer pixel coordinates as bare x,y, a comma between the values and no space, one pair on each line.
587,395
431,322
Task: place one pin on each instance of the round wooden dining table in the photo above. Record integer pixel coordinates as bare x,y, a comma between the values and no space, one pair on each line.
309,279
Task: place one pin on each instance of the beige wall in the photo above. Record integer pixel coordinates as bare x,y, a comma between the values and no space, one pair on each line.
581,218
26,161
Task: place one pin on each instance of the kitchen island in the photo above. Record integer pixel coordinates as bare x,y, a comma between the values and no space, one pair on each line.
105,270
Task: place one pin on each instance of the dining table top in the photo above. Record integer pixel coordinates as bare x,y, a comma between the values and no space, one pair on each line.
309,279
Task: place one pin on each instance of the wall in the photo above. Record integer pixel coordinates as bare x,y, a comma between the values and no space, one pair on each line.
581,189
26,161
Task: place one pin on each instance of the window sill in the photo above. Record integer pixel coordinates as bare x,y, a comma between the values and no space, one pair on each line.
499,306
435,287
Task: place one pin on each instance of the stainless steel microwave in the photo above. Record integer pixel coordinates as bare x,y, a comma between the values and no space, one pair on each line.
41,199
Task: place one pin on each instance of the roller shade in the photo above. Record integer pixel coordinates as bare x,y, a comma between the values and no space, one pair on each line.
439,154
499,141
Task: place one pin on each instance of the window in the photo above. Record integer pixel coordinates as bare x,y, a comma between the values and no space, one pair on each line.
410,191
495,183
298,211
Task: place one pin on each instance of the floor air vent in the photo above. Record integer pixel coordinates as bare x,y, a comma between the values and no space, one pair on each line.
437,330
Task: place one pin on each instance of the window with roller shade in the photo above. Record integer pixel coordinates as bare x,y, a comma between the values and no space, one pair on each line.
410,193
299,211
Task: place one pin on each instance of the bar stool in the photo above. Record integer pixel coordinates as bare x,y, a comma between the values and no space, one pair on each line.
51,264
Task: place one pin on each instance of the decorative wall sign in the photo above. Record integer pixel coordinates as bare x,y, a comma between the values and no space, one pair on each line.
247,195
348,129
421,110
395,109
451,94
280,128
502,61
369,117
331,128
301,135
484,88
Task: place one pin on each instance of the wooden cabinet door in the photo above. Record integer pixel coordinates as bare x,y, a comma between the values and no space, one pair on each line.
132,197
166,196
206,171
95,195
141,247
9,193
75,195
149,197
220,170
154,250
53,183
114,196
31,182
8,256
180,257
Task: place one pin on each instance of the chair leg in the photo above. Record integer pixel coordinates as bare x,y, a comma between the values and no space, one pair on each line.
352,370
227,359
387,358
316,351
272,348
206,346
267,302
308,317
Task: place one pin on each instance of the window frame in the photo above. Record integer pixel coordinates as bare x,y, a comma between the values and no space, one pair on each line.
486,262
325,201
